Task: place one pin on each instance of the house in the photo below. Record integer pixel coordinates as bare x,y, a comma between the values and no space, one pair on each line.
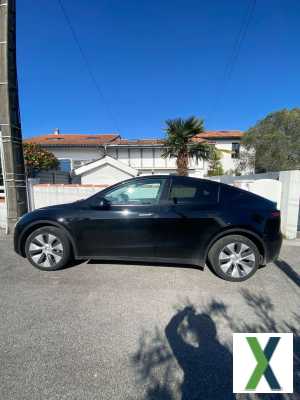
108,157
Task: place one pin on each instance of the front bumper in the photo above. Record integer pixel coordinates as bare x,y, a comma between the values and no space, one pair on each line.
17,244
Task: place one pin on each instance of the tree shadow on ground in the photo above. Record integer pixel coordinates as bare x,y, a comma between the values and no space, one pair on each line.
190,341
288,270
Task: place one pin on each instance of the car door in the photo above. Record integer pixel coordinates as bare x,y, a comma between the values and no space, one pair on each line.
188,218
123,222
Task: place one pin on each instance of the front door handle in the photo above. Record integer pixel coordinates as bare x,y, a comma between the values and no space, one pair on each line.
145,214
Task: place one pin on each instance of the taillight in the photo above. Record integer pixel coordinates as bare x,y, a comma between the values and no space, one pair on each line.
273,222
275,214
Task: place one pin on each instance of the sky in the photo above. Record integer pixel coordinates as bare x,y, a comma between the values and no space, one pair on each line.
155,60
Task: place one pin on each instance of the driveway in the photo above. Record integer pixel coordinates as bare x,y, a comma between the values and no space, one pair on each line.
109,331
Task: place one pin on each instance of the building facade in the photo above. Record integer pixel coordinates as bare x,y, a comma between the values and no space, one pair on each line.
143,156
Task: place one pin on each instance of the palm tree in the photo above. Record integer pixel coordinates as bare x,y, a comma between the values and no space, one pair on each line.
179,142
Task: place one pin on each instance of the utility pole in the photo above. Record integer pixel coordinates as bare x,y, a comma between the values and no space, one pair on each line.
10,124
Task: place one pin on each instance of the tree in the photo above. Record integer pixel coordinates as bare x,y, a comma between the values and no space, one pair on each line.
37,159
215,167
180,142
273,144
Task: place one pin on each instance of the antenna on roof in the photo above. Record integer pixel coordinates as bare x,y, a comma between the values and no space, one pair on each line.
56,131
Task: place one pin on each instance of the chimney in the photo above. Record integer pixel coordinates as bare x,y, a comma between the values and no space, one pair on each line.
56,131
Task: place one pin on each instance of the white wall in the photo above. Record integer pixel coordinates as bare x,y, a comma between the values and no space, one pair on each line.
147,158
290,200
47,194
81,153
159,162
271,189
227,161
197,173
106,174
163,171
287,198
135,158
2,214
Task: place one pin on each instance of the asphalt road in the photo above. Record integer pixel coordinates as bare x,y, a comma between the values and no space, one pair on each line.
98,331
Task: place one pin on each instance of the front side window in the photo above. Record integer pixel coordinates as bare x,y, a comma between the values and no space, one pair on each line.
136,193
202,193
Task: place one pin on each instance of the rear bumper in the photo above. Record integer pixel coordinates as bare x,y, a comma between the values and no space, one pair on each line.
272,247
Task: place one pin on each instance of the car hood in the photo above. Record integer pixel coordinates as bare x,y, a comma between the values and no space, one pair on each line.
52,209
64,206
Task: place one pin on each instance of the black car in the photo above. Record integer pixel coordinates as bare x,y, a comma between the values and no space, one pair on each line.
161,218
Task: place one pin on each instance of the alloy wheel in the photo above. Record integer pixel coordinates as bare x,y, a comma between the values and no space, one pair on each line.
237,260
46,250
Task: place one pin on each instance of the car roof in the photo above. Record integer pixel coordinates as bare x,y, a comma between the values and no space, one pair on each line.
173,177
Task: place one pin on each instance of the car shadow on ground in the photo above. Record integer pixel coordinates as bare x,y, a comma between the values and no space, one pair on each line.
187,361
281,264
142,263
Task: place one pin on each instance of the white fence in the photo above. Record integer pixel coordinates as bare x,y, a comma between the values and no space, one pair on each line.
2,214
290,199
43,195
2,208
281,187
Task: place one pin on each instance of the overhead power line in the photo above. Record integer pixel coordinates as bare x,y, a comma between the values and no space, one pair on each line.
88,65
239,40
234,55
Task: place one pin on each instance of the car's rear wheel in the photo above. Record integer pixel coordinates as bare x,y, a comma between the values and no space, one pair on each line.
234,258
48,249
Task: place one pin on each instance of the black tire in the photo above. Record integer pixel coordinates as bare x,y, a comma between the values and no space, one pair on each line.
219,263
60,251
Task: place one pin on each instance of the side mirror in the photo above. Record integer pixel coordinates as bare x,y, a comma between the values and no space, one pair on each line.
103,204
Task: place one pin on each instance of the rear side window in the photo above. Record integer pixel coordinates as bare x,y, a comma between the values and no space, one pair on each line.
233,194
193,192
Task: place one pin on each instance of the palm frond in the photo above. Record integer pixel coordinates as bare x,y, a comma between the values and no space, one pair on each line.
181,129
201,151
169,152
179,142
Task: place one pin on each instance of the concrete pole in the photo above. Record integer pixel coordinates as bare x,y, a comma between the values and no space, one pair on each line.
290,199
11,136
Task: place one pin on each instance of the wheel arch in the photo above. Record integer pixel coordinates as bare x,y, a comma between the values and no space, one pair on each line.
41,224
254,237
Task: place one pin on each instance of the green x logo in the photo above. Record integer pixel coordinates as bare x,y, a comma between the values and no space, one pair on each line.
263,367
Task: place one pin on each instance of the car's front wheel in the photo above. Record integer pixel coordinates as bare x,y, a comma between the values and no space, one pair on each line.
234,258
48,249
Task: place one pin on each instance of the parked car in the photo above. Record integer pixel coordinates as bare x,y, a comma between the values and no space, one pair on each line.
172,219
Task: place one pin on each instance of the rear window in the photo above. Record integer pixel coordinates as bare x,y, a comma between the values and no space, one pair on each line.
203,193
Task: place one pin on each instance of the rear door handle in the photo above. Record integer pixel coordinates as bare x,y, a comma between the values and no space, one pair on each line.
146,215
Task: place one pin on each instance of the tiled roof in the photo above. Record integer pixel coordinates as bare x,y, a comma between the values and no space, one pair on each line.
114,139
221,134
73,139
137,142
